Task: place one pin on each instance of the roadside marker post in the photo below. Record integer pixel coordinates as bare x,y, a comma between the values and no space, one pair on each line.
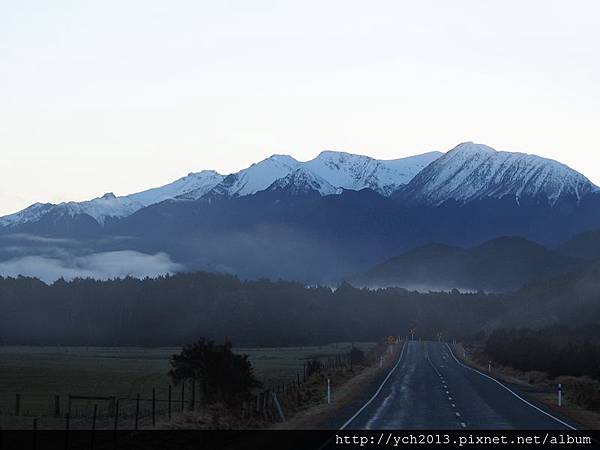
278,406
490,366
560,394
381,362
328,391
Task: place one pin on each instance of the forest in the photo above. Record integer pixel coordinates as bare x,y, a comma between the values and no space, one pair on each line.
178,309
555,350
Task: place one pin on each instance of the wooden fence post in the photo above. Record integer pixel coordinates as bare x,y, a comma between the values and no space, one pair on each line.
193,403
57,406
116,424
94,425
169,402
67,429
111,406
35,427
182,395
153,407
137,411
265,395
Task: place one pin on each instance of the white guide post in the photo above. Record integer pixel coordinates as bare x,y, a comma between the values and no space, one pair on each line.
560,395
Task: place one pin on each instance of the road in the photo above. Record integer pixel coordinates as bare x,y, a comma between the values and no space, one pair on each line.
430,389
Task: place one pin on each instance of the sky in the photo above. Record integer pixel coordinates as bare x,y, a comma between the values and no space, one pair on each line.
113,96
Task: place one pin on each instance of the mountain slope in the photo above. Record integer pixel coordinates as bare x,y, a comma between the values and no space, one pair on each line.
257,177
570,299
358,172
303,181
192,186
110,206
474,171
499,265
584,245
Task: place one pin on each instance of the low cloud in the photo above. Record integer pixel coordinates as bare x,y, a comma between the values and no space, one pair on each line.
101,266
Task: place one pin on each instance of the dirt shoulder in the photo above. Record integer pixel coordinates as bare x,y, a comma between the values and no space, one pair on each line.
348,395
537,385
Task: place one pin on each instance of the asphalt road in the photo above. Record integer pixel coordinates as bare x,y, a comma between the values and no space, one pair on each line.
430,389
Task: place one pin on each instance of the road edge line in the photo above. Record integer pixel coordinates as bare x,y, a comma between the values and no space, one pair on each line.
511,391
392,370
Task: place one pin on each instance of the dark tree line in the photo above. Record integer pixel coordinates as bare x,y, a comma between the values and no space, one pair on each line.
557,350
178,309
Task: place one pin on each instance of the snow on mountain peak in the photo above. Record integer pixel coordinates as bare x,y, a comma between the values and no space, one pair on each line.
471,171
303,181
109,205
328,173
358,172
473,148
258,177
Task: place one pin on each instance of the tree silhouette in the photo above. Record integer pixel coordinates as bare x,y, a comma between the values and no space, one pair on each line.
222,375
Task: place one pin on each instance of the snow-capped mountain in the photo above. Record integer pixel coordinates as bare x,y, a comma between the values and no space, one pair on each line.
474,171
258,177
302,181
467,172
338,169
328,173
99,208
111,206
192,186
356,172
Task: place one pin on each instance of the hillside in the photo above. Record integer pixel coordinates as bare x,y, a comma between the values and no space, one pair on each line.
500,265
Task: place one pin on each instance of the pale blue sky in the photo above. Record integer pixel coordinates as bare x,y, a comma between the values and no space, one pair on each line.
99,96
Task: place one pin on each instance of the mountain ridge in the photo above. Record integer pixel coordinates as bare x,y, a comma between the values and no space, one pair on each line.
351,172
474,171
502,264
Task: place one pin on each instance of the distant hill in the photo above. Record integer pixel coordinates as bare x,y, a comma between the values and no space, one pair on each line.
584,245
570,300
500,265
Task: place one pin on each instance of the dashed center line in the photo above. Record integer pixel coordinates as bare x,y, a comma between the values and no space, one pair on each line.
464,425
457,414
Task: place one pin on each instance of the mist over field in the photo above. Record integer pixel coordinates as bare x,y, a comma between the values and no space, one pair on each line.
99,266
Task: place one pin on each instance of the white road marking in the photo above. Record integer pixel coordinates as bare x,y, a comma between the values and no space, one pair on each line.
510,390
453,405
464,425
457,414
393,369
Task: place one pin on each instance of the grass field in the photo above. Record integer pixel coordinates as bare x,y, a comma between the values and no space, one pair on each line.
40,373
